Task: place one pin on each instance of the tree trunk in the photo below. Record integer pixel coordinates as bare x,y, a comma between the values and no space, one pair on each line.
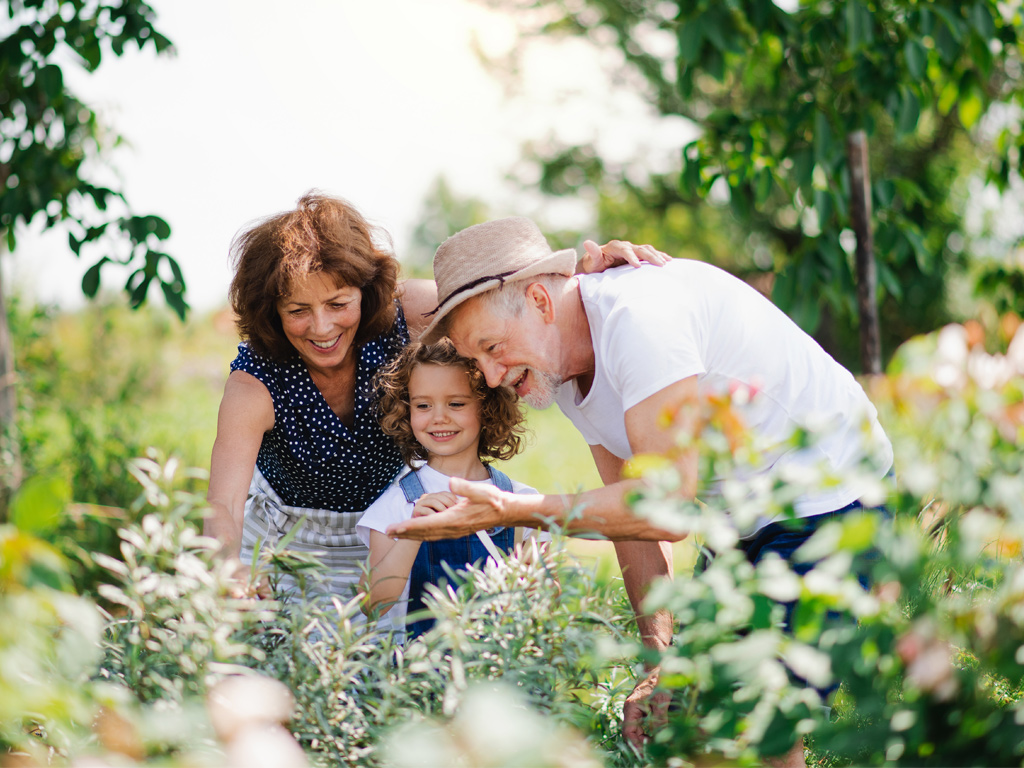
867,280
10,455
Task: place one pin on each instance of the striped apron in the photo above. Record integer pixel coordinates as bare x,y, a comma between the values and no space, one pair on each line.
329,534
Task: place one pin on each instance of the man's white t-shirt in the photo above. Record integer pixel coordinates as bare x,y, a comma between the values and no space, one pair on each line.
392,507
652,327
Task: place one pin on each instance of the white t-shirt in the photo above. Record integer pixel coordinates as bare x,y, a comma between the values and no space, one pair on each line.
652,327
391,508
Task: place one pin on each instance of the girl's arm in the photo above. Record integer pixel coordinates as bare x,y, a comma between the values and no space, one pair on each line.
390,565
391,559
246,413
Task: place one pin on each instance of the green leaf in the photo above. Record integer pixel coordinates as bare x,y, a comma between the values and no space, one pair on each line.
162,43
858,531
969,108
948,98
160,228
91,54
52,81
137,286
690,38
916,57
889,281
29,562
764,186
806,312
910,112
921,255
784,290
822,138
981,19
689,179
719,29
823,205
803,167
947,44
859,26
91,279
739,202
981,55
953,24
926,22
714,63
38,505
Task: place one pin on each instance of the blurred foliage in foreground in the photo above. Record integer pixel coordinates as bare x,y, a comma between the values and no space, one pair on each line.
165,661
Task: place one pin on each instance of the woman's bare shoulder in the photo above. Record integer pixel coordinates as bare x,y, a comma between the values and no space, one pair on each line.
418,297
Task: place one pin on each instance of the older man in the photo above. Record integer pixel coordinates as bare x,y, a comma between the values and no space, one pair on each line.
618,350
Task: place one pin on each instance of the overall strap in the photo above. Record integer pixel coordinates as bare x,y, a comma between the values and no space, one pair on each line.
411,486
500,479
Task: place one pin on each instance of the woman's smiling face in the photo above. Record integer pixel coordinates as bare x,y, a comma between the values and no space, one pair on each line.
320,318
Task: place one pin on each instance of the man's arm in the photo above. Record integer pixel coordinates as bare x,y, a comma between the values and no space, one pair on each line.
643,561
640,561
603,510
645,427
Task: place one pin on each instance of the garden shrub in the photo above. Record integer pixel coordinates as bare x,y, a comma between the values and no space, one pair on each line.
930,669
533,624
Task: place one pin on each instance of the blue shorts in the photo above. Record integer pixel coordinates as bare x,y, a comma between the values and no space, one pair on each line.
786,537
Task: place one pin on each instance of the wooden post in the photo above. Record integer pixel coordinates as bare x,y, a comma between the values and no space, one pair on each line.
867,279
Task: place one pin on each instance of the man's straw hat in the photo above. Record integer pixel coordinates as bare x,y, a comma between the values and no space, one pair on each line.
488,255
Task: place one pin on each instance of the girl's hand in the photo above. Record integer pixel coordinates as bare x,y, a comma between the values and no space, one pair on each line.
432,503
614,253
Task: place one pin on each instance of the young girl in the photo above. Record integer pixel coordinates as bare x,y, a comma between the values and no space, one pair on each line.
446,422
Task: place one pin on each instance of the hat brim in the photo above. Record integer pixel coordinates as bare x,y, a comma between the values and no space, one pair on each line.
558,263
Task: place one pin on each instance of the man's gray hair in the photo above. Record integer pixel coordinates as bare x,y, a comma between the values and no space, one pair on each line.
509,300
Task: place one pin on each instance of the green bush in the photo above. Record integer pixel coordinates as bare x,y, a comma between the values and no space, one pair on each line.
931,668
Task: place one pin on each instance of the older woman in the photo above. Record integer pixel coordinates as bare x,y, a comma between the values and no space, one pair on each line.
319,309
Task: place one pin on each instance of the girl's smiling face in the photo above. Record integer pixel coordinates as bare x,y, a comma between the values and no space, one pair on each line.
444,415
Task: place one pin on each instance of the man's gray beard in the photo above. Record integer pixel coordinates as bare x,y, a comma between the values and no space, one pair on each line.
542,395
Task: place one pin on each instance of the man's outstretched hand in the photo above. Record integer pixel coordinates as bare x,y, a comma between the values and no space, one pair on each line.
480,506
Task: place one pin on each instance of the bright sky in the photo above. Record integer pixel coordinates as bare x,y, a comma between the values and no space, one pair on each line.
371,101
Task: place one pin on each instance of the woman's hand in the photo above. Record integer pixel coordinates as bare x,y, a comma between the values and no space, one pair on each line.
614,253
432,503
241,583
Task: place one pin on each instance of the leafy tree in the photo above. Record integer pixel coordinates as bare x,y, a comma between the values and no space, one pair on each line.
50,142
776,93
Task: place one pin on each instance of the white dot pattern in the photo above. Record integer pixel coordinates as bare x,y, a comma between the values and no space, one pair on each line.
310,457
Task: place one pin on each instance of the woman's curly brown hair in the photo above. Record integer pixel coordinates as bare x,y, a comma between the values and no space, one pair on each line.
501,414
324,235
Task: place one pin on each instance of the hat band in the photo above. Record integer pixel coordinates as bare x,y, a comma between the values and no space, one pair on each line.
472,284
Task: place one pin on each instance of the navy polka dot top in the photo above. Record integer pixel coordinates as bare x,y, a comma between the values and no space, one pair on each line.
310,457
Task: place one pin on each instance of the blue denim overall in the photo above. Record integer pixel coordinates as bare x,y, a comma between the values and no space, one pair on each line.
428,568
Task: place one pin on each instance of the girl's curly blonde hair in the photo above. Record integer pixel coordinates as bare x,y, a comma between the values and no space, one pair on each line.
501,413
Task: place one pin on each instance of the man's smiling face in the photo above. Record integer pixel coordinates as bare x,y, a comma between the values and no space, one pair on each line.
517,352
